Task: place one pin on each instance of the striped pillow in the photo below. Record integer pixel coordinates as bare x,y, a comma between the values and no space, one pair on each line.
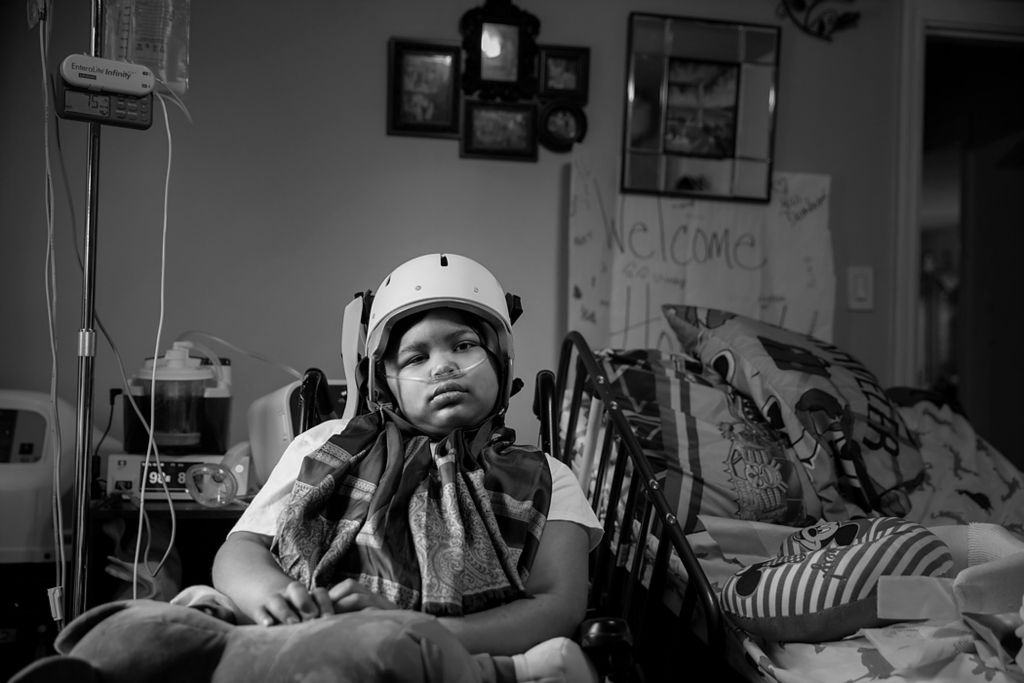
823,583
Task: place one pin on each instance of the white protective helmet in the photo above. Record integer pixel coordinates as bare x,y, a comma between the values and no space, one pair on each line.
435,280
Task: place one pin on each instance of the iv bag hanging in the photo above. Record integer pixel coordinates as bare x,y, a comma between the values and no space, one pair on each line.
153,33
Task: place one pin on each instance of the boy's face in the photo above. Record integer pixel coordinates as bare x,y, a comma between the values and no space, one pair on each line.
441,375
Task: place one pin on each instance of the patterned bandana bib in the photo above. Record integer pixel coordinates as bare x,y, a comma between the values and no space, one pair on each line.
447,531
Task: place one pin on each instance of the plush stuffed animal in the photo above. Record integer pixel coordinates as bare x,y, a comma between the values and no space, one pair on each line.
152,641
823,583
146,640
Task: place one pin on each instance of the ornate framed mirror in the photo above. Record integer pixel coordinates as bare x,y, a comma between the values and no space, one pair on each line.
500,41
701,97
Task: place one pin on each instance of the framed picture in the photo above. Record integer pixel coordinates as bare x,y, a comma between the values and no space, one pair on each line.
560,125
499,130
564,72
423,88
501,50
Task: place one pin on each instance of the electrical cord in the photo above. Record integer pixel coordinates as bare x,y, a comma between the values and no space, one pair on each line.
55,594
114,393
151,450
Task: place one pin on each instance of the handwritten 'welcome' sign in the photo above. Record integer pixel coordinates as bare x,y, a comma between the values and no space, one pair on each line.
631,254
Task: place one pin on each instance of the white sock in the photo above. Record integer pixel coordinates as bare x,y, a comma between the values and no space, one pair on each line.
558,660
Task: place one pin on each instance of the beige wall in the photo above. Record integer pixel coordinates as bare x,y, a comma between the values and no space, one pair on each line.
287,196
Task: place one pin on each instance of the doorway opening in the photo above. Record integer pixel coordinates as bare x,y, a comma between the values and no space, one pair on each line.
970,221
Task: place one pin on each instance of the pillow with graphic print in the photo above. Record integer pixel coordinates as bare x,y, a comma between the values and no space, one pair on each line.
711,449
844,427
823,583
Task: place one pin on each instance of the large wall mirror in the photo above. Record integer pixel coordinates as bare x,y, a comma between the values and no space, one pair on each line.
700,108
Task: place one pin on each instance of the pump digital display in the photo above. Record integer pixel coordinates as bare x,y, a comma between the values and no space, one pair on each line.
110,108
172,471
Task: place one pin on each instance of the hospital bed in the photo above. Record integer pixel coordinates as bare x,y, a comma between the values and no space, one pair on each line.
686,473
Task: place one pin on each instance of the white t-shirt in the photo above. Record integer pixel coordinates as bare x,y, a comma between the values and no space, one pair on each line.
567,500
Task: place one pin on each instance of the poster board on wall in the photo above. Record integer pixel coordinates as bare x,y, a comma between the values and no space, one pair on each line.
631,254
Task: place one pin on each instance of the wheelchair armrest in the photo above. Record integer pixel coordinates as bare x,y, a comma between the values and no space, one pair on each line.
608,644
314,400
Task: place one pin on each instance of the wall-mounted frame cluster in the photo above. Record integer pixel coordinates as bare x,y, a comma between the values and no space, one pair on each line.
498,91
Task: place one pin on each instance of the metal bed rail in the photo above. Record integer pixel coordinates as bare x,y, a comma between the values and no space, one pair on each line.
620,564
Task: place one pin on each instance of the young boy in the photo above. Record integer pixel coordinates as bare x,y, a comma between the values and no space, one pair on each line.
422,503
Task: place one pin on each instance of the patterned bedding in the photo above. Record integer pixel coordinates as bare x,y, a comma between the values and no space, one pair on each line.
733,474
967,481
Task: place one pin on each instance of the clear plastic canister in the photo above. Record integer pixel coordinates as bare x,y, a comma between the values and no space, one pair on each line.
176,389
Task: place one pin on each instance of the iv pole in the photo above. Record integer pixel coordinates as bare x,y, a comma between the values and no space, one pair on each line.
76,602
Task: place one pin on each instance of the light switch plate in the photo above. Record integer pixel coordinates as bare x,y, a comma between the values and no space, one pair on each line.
860,288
